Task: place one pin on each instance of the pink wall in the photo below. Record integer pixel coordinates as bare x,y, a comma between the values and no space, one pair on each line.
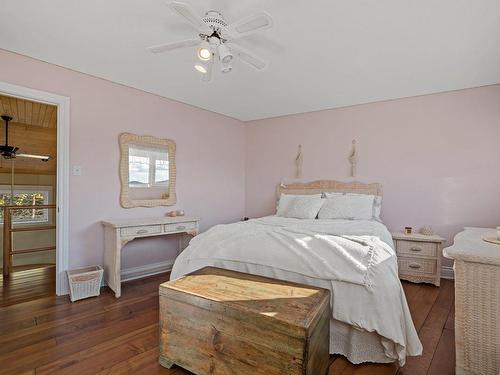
210,156
437,156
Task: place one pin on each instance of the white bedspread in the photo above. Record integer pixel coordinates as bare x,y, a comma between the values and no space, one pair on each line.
355,258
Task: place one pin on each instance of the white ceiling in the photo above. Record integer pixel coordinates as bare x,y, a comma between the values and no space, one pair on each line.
322,54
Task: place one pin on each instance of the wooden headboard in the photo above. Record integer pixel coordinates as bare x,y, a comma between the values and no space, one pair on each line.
329,186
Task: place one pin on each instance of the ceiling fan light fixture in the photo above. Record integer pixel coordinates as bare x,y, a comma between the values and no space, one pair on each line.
201,68
226,68
214,42
215,38
204,53
225,55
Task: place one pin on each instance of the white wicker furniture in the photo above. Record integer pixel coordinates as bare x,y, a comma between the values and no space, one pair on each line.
163,198
329,186
118,233
84,282
477,302
419,257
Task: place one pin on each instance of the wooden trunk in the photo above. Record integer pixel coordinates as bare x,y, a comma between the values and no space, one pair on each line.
216,321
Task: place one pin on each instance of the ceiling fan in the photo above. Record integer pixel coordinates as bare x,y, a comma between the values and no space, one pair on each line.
10,152
215,39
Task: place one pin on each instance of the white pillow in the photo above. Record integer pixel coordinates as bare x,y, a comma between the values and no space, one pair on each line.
299,206
377,203
347,206
377,207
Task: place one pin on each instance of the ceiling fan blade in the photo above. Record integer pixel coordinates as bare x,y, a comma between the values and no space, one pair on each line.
185,11
174,45
249,58
32,156
250,25
207,77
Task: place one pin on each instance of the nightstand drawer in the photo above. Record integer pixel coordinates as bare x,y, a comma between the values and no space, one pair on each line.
142,230
416,266
180,227
416,248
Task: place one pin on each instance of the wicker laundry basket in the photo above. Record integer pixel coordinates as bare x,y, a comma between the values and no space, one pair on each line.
85,282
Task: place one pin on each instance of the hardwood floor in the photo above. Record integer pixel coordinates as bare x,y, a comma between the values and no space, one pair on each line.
103,335
26,283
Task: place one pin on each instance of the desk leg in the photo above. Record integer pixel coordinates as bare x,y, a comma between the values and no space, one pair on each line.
184,240
112,259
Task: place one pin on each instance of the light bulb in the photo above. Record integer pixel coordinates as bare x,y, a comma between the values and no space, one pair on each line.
204,53
201,68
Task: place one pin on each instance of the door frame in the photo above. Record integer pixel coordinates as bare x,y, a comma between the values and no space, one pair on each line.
62,211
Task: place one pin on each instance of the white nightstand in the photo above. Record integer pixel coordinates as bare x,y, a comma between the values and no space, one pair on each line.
419,257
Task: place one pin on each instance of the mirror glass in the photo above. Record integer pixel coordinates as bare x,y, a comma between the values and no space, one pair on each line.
147,168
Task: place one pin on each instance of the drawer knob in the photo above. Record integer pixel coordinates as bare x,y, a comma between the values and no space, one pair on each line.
181,227
414,266
141,231
415,249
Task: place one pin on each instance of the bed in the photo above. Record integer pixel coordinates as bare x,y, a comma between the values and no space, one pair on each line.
354,259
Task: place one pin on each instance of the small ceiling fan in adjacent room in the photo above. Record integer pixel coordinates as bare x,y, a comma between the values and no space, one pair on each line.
215,39
11,152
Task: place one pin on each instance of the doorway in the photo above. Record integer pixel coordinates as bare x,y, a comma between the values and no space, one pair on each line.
33,193
28,179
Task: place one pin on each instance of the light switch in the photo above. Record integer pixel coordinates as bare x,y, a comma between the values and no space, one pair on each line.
77,170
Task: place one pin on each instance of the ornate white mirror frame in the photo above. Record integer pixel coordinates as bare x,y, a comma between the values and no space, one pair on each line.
126,200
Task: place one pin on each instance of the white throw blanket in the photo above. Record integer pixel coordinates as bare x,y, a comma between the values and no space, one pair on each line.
355,257
314,248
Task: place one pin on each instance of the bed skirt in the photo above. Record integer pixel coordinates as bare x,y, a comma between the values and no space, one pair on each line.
356,345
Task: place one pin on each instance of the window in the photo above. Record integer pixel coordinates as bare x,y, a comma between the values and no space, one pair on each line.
24,196
161,172
148,167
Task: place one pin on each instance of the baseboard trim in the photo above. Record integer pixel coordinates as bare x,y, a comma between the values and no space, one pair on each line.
161,267
447,273
146,270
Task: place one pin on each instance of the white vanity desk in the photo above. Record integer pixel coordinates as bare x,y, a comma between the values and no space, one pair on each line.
117,233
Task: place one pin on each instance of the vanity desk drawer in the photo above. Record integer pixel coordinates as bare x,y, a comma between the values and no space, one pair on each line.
180,227
142,230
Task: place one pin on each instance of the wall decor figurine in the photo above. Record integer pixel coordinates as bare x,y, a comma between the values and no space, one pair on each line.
298,163
353,158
